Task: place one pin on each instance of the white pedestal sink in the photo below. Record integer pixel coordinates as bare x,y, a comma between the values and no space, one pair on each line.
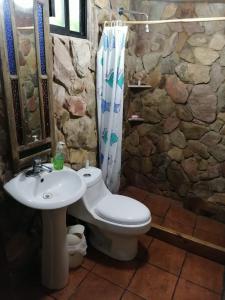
52,193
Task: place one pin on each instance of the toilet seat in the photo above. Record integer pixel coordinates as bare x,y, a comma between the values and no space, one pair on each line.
123,210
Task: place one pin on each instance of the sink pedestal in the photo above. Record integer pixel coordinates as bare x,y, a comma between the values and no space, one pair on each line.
52,193
55,261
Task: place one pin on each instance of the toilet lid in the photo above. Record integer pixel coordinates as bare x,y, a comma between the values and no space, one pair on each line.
122,210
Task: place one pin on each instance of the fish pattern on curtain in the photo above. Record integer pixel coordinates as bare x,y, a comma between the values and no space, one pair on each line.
110,89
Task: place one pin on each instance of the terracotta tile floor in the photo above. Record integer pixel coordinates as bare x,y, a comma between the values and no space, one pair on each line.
159,272
170,213
166,273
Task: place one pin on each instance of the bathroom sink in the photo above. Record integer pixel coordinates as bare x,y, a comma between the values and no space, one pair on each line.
47,190
51,192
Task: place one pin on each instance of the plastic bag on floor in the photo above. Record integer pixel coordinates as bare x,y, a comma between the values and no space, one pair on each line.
76,245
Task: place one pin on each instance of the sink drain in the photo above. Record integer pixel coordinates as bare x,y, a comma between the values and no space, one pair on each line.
47,196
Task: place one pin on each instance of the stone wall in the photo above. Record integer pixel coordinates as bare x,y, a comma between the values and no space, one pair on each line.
74,87
179,150
74,99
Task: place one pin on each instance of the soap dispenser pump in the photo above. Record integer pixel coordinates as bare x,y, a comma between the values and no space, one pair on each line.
58,160
87,164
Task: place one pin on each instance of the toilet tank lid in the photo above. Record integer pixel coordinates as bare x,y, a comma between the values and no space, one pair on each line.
91,175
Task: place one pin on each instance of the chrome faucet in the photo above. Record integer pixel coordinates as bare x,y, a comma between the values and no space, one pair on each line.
37,168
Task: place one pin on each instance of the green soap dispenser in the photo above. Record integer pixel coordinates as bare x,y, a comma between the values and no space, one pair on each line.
58,160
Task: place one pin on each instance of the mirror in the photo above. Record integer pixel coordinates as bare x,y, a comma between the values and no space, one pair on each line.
24,51
28,72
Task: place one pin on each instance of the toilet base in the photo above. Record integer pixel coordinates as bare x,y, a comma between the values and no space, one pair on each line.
120,247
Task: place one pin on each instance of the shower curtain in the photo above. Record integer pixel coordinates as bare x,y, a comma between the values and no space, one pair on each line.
110,87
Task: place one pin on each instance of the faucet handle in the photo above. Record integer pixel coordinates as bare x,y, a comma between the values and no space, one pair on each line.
37,161
37,164
37,168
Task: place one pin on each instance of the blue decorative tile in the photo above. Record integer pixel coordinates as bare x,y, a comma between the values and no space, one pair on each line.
41,37
9,37
44,84
17,111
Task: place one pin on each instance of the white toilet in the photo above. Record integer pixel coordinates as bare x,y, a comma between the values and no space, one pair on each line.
115,221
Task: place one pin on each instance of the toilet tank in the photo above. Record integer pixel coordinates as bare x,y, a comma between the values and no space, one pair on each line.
96,188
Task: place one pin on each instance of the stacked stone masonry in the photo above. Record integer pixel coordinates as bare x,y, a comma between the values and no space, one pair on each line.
179,150
74,99
74,86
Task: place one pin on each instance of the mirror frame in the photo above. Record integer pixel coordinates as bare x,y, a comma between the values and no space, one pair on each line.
22,154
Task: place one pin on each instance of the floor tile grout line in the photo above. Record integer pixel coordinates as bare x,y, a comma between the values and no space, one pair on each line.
136,268
126,290
202,286
145,198
177,277
132,277
108,280
181,224
48,293
90,268
165,216
123,293
150,242
155,266
81,281
196,219
199,285
179,274
168,209
170,205
55,298
51,297
175,287
185,258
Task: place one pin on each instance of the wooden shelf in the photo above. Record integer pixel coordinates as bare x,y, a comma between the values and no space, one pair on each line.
135,121
136,86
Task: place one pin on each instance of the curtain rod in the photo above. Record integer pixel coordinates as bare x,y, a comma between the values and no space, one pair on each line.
152,22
